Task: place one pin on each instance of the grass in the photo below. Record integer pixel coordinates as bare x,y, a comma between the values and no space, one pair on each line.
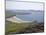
20,27
11,27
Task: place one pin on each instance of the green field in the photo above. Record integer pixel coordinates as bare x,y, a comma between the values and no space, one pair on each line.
17,27
11,27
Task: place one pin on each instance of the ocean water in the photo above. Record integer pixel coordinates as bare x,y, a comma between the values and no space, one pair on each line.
37,16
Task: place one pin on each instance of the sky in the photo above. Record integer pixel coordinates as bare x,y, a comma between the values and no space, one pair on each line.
13,5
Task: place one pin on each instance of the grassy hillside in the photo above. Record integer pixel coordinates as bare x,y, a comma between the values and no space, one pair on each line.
21,27
11,27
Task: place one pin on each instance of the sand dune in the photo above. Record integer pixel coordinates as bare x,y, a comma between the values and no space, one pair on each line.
17,20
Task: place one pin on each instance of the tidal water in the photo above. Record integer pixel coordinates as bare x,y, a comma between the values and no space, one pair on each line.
37,16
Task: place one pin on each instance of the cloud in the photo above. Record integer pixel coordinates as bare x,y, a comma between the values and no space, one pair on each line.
23,6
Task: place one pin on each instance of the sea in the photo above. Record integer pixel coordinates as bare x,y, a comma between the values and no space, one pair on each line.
36,16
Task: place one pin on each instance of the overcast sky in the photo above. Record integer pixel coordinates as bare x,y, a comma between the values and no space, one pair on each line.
13,5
